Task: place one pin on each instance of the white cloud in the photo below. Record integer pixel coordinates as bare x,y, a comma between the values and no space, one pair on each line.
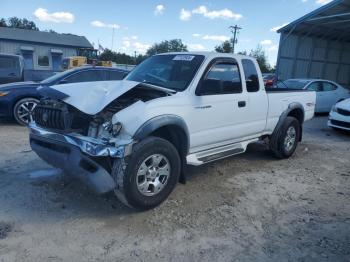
275,29
185,15
196,47
221,38
97,23
223,13
323,2
126,43
196,35
266,42
134,37
159,10
140,47
56,17
272,48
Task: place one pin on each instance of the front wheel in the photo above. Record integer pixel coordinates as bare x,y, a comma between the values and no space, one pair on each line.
146,178
285,141
24,109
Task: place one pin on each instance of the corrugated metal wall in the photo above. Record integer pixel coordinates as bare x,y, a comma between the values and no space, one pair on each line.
310,57
9,47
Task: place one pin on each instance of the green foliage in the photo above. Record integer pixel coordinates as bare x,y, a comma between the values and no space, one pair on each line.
120,58
260,55
16,22
225,47
174,45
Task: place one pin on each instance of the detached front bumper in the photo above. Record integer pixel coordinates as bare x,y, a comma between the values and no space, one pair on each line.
77,156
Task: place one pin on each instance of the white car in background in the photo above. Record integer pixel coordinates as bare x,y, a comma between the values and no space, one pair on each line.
340,115
328,93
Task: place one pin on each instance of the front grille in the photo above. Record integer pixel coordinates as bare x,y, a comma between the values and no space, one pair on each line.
343,112
50,117
340,123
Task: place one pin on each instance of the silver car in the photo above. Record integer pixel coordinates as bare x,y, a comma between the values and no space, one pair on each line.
328,93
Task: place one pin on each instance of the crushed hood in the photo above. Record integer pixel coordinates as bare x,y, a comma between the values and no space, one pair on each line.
93,97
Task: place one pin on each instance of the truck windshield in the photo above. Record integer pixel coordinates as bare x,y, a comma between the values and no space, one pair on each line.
169,71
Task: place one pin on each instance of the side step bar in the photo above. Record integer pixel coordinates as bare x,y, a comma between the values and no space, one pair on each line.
221,155
203,157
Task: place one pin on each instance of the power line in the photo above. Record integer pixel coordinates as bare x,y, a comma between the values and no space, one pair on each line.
234,30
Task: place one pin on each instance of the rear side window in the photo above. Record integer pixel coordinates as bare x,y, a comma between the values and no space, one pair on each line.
222,78
116,75
251,75
87,76
328,87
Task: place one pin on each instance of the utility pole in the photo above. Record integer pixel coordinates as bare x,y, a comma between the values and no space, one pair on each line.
234,30
112,39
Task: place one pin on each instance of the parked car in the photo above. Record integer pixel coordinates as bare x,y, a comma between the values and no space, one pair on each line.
135,136
18,100
328,93
269,79
11,68
339,118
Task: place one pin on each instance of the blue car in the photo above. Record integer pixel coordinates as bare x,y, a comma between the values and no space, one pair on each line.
18,100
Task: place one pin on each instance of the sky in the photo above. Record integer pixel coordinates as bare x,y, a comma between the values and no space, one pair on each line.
201,25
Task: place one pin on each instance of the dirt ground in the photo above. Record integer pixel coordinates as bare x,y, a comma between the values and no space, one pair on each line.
250,207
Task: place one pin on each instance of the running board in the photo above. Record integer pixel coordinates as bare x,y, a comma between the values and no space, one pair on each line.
210,155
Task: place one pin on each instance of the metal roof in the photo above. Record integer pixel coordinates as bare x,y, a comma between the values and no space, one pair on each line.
15,34
331,21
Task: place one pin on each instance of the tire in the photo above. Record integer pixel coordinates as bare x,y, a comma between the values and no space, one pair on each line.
139,177
23,110
284,142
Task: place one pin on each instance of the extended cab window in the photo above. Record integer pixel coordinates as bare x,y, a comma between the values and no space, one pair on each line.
222,78
86,76
251,75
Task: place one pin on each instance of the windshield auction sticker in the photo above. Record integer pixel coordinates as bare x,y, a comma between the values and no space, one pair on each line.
183,57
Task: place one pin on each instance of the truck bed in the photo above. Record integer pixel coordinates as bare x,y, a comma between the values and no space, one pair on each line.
280,98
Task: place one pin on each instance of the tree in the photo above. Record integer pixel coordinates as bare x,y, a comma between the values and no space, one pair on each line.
225,47
120,58
16,22
3,22
260,56
174,45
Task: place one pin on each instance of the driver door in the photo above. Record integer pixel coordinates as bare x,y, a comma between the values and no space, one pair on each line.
219,106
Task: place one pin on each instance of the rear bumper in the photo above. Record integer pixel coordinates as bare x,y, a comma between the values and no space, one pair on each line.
76,156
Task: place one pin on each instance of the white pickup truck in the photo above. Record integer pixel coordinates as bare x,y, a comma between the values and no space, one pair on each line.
136,136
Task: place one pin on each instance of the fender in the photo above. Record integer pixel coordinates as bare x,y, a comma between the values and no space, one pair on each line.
283,117
164,120
159,121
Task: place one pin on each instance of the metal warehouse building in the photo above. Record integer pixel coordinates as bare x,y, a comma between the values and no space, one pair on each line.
40,50
317,45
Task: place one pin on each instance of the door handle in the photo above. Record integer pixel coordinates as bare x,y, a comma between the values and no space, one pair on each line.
241,103
11,74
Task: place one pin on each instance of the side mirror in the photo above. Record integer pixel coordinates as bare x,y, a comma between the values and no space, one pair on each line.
209,87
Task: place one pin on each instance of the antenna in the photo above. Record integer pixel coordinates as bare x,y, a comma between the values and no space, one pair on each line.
234,30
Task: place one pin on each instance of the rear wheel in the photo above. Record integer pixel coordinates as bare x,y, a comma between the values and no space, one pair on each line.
149,175
285,141
24,109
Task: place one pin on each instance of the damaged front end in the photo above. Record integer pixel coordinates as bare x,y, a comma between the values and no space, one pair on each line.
85,145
